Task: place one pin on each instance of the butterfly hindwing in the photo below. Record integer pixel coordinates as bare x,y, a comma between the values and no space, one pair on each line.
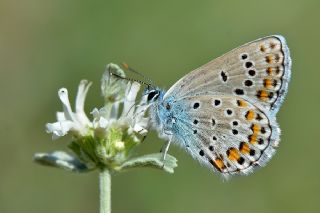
258,71
226,133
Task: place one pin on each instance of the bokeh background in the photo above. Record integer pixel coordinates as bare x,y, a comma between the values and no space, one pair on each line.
45,45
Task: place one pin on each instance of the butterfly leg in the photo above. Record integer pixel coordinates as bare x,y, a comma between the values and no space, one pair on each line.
165,149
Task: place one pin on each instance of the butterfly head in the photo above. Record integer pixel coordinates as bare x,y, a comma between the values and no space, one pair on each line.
161,111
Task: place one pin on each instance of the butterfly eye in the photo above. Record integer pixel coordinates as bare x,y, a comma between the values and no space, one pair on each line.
153,95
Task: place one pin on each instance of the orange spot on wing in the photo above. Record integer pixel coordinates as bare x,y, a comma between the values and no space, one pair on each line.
255,128
233,154
242,103
244,148
250,115
218,164
268,83
253,139
262,95
269,70
272,45
262,48
269,59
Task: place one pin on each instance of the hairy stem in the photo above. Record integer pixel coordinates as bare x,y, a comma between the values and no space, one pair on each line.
105,191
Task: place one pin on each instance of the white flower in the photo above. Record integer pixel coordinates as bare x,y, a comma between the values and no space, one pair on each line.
132,116
78,124
108,139
67,121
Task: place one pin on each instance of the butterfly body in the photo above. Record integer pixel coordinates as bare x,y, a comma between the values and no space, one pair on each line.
223,113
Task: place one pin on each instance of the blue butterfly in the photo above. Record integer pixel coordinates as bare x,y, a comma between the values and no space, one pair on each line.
223,113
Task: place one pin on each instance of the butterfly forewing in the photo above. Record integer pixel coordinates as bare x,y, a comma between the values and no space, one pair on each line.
258,71
226,133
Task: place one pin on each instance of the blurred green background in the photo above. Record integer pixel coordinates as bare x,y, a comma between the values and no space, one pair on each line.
45,45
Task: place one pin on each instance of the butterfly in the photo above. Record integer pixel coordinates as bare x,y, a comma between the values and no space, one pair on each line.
224,112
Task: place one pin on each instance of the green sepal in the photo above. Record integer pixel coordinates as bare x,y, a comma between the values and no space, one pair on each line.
62,160
112,87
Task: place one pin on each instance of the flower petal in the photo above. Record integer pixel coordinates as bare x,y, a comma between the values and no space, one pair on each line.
60,116
63,95
95,113
98,120
139,129
59,129
130,97
103,123
80,99
114,110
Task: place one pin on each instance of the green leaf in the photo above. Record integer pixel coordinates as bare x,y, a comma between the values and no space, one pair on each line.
152,161
62,160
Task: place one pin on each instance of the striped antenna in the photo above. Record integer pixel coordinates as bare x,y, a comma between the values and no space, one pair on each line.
130,79
150,82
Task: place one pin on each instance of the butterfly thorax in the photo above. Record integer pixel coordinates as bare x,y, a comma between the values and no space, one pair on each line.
163,112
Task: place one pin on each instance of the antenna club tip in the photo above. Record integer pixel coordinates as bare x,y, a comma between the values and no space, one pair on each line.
125,65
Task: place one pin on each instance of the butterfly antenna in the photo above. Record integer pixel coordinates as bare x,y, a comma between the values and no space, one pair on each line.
130,79
150,82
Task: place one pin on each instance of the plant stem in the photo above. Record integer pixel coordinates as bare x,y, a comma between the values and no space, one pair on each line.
105,191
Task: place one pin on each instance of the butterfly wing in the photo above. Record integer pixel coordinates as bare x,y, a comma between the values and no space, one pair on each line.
226,133
258,71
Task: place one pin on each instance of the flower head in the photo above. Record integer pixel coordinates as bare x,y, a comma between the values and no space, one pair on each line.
109,135
106,140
